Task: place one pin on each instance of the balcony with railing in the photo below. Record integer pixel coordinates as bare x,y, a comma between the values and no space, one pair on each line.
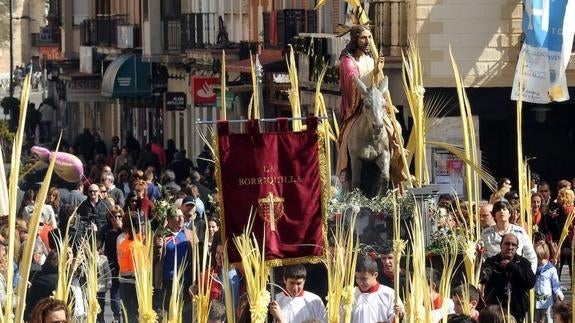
110,31
189,31
390,20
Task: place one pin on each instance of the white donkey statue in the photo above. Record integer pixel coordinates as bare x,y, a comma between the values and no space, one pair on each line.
368,139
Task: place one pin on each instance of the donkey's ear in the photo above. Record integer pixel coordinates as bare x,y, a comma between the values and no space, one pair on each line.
360,85
383,84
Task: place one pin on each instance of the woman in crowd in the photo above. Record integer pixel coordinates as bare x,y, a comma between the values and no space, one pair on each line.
111,234
136,176
138,202
27,205
536,200
213,229
146,204
491,236
50,310
132,203
123,161
53,199
124,246
513,198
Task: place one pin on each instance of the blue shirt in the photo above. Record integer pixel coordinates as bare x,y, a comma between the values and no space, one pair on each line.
176,245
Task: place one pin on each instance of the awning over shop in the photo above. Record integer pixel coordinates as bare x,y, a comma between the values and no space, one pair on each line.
126,77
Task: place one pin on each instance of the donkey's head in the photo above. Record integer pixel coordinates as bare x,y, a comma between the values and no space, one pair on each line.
374,101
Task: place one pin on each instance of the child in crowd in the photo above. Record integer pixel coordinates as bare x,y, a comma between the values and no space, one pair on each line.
546,283
386,275
562,312
373,302
458,296
295,304
439,303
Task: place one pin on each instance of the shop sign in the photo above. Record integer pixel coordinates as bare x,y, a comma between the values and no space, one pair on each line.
84,91
50,52
175,101
202,89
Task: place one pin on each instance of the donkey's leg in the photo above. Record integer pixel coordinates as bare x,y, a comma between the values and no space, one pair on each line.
383,162
355,163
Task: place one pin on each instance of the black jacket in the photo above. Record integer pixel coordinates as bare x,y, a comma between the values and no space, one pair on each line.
88,213
41,286
110,251
514,281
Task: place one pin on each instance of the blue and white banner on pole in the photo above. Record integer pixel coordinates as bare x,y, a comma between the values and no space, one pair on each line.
549,26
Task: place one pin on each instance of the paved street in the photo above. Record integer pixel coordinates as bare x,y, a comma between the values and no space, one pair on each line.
35,97
566,282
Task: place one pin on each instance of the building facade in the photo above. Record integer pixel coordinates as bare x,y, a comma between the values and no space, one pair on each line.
176,48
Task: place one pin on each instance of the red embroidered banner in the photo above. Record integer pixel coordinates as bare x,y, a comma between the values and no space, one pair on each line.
277,174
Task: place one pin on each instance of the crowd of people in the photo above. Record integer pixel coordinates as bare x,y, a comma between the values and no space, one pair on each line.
118,200
120,196
513,262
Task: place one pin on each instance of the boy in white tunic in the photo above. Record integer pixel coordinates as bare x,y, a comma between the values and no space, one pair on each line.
373,302
296,305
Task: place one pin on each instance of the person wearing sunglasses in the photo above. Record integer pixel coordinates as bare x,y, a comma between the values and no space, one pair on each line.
508,277
113,230
92,214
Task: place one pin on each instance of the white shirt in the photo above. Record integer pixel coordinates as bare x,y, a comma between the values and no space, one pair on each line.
373,307
492,241
448,305
300,308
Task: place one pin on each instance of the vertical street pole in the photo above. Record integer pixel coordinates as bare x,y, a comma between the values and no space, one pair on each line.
11,51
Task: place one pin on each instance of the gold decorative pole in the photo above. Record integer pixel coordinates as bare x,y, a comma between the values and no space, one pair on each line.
223,87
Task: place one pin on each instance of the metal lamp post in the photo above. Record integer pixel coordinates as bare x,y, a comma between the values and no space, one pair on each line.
11,85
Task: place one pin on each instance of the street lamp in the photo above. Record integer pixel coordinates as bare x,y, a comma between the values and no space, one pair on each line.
11,91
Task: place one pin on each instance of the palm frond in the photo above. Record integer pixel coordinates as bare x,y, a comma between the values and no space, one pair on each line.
256,271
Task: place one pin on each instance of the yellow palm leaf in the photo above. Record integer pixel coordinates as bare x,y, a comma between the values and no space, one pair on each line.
340,261
256,272
320,4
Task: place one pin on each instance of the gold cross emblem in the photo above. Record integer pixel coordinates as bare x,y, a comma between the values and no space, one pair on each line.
271,208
